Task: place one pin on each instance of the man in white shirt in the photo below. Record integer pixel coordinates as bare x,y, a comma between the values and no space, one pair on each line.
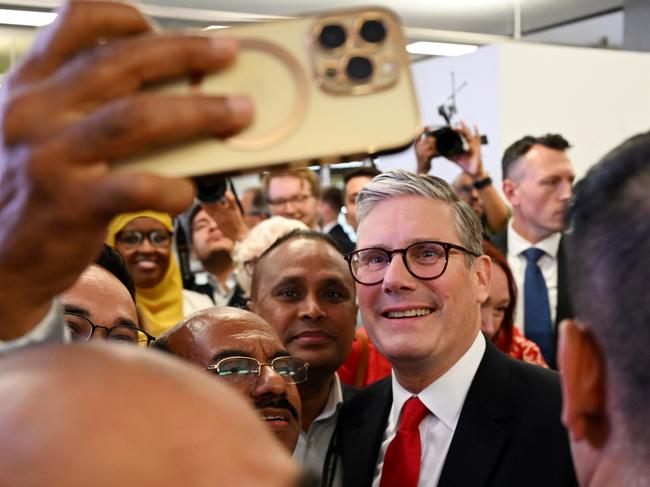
456,411
213,249
302,287
538,179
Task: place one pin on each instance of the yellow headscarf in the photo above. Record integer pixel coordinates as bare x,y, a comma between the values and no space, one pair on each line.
161,305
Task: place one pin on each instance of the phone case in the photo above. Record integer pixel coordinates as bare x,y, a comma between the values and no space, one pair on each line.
328,87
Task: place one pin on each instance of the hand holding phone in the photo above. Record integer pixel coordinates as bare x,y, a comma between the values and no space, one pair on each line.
327,87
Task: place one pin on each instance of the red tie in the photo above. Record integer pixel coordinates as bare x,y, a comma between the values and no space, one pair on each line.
402,460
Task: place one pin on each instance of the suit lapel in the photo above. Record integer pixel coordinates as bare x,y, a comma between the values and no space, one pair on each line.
564,308
362,426
479,435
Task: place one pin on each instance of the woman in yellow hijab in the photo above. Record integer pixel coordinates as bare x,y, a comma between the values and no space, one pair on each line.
145,241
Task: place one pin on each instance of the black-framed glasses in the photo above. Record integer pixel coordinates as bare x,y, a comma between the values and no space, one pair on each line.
242,369
424,260
81,329
134,238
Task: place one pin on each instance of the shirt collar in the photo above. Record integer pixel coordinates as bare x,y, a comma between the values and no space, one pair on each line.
231,283
327,227
518,244
445,396
334,400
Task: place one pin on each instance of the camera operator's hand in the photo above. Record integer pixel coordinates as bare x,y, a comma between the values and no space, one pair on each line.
425,150
73,104
228,216
471,161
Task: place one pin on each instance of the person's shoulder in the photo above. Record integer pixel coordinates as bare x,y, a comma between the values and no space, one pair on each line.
193,301
535,386
372,396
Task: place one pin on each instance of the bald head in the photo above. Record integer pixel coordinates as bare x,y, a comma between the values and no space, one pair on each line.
210,336
114,415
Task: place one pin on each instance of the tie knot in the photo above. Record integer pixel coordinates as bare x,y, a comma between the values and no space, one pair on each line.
533,254
413,413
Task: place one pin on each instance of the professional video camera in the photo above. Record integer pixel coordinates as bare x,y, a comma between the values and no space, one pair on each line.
450,142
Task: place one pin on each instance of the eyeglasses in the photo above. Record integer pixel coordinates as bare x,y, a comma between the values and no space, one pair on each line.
81,329
298,199
424,260
132,239
465,189
241,369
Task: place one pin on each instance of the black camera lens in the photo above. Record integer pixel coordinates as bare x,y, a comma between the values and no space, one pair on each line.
359,68
373,31
332,36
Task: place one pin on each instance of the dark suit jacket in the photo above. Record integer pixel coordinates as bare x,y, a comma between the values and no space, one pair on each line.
509,431
339,235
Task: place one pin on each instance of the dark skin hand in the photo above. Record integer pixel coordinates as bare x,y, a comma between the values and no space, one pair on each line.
72,105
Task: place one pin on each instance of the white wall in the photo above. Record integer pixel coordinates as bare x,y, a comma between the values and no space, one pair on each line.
595,98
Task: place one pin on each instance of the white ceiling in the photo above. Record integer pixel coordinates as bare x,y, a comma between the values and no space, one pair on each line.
481,16
576,22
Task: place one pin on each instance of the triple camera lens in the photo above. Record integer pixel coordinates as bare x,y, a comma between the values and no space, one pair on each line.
359,68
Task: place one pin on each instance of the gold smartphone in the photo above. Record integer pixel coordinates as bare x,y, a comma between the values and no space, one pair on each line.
328,87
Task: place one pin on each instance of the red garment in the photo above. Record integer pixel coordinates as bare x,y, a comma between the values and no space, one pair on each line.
404,453
524,349
376,366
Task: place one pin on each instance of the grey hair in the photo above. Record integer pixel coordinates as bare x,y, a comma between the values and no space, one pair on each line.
393,184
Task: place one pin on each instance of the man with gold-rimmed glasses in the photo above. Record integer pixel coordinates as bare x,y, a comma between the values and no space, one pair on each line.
242,349
456,411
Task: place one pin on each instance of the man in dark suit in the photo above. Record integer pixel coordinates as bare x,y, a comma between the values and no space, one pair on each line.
604,352
538,179
474,416
331,202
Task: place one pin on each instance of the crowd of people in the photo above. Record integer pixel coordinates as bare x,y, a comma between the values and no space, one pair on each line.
421,346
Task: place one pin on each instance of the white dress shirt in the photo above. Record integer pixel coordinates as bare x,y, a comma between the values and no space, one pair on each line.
444,398
547,264
312,446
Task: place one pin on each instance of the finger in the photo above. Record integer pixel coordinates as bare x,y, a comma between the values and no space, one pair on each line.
131,125
121,193
123,67
229,200
79,25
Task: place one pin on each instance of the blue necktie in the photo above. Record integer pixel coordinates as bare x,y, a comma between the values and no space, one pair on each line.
537,310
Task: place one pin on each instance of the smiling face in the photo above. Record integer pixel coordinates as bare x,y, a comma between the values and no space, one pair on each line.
494,308
422,326
147,263
307,294
291,197
218,333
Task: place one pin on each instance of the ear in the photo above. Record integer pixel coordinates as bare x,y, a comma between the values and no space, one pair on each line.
582,368
482,272
510,190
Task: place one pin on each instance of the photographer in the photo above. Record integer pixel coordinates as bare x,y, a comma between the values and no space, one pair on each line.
474,185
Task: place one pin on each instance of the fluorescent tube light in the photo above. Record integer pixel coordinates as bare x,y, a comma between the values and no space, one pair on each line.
440,48
26,17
